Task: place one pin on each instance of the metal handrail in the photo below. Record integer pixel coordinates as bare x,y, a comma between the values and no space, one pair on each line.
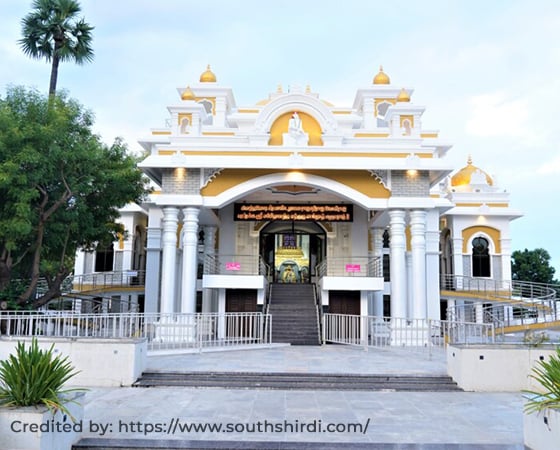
497,289
511,303
108,280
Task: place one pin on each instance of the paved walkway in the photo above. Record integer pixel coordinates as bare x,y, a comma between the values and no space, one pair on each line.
485,420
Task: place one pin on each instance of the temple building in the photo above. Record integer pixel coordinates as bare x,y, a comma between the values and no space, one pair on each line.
356,200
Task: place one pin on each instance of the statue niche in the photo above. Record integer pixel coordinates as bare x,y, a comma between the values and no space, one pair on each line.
296,135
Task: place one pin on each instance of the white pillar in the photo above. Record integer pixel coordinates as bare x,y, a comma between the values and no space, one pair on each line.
506,260
458,256
418,248
433,265
408,260
169,257
377,247
209,250
221,312
398,266
190,260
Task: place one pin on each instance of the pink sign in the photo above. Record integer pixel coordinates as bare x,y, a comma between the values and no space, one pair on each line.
353,268
233,266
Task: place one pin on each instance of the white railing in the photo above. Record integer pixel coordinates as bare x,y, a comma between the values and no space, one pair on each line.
163,331
371,331
351,266
235,265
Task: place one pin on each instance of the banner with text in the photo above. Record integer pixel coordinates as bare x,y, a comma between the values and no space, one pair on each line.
296,212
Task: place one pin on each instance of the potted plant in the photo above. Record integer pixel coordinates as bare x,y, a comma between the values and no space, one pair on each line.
36,411
541,421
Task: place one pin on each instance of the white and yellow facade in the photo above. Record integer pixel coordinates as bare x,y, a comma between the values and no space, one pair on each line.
359,200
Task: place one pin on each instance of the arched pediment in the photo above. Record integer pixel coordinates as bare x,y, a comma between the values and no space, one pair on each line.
287,104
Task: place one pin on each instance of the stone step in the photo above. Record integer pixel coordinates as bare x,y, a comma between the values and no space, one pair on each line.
90,443
298,381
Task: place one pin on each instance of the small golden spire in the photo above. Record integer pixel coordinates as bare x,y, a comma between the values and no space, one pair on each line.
403,96
308,89
469,160
188,94
279,89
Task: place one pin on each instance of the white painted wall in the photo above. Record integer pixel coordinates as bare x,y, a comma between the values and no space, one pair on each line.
123,360
500,368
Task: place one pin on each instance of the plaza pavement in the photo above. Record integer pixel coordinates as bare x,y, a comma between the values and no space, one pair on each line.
454,420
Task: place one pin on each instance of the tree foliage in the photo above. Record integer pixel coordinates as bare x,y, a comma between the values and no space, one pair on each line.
60,186
532,265
52,30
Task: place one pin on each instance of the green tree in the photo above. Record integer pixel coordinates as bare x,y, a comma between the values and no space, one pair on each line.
532,265
53,31
61,188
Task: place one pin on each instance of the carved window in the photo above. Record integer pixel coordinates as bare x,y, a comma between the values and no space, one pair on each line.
381,111
480,257
104,256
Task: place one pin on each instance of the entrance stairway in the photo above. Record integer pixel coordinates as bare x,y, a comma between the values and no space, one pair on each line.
303,381
294,313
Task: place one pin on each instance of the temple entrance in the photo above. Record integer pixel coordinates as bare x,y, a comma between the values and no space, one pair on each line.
292,250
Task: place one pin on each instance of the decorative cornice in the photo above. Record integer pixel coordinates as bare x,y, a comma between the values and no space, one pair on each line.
210,175
380,176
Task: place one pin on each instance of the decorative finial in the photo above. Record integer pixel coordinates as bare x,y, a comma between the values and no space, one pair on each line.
308,89
469,160
279,89
188,94
208,76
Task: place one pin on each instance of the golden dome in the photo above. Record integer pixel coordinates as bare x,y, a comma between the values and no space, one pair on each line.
403,96
188,94
207,76
381,77
463,177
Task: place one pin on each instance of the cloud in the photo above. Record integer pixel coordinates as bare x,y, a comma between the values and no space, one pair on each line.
550,168
496,115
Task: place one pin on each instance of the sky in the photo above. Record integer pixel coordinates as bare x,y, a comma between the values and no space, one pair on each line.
486,71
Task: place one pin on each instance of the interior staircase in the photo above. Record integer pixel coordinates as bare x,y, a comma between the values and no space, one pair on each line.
295,318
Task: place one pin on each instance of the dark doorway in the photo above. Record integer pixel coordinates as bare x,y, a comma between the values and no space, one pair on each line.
241,300
344,302
292,250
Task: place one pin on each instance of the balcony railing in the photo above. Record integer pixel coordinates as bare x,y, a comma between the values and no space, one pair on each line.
235,265
351,266
105,280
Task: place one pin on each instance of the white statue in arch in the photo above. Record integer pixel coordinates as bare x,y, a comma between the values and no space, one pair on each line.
296,135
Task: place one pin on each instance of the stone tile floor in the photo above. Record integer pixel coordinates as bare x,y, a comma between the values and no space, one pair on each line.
456,419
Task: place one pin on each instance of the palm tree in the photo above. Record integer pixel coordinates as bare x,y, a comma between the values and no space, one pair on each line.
52,30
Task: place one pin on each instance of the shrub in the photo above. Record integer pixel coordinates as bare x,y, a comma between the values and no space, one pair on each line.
35,377
547,374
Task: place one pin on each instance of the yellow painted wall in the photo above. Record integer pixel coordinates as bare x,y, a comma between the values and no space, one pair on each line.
361,181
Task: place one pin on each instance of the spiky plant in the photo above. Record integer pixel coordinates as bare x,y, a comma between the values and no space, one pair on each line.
547,375
36,377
